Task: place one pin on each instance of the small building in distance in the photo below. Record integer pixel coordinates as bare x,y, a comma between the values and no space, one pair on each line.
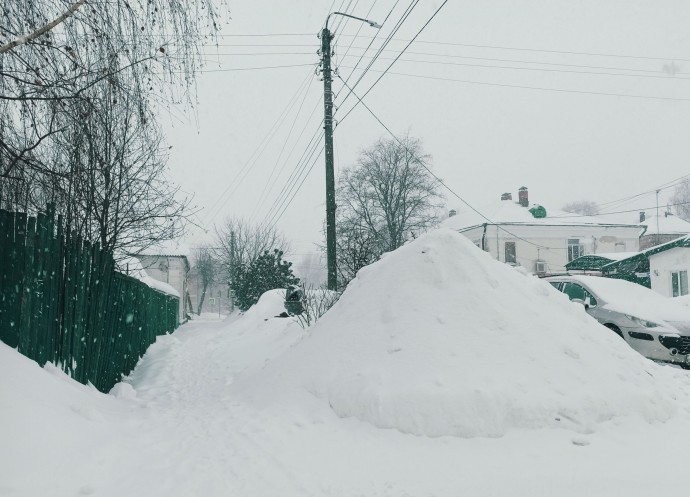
540,239
662,228
172,269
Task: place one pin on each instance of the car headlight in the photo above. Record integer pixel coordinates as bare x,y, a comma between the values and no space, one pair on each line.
642,322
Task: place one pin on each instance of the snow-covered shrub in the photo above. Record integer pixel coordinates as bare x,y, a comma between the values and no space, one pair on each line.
316,302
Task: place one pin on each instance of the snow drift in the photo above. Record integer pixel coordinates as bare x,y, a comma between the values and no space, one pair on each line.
440,339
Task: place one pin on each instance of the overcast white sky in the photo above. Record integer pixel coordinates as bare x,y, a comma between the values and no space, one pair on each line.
491,87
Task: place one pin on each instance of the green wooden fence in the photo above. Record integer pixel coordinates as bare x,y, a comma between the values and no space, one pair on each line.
64,303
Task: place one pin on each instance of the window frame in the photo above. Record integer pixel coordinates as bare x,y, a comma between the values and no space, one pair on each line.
575,247
679,283
514,252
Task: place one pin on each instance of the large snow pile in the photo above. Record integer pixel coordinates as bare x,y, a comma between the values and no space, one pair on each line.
440,339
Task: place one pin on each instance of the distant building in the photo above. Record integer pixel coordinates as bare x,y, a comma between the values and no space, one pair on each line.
542,241
170,269
661,228
667,266
217,298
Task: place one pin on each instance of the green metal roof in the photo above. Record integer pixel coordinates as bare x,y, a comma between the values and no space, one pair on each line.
588,263
639,263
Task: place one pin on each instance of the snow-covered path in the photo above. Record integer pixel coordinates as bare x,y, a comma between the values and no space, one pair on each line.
190,430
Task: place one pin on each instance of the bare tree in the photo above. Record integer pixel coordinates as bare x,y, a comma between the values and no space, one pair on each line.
239,242
206,270
681,199
386,198
356,247
582,207
53,53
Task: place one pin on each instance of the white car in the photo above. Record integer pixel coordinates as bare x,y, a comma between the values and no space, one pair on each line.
654,325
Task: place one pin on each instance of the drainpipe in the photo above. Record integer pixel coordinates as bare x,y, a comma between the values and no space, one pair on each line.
498,246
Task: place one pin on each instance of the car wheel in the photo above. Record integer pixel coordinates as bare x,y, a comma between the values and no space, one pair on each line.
615,328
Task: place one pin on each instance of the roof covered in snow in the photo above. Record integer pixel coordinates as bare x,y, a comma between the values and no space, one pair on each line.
511,212
668,224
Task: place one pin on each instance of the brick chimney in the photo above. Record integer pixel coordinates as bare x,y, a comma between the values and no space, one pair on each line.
523,197
642,216
507,196
452,212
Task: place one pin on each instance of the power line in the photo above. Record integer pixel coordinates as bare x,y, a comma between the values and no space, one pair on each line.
539,69
280,155
251,68
272,217
541,50
618,212
252,159
394,60
410,8
441,182
538,88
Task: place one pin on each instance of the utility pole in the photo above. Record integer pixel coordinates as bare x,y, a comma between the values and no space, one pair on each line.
330,176
326,51
232,270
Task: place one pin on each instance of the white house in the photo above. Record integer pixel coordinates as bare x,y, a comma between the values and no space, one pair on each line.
170,269
541,240
669,266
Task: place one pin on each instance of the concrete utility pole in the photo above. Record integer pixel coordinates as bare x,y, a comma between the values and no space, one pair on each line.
330,176
326,52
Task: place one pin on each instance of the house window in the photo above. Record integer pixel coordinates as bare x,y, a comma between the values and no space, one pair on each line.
510,253
575,250
679,283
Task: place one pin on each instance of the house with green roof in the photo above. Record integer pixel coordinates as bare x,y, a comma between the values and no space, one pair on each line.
664,268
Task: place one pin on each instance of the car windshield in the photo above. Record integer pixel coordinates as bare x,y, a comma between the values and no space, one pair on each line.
634,299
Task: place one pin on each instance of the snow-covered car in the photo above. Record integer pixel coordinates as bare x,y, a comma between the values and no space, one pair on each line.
654,325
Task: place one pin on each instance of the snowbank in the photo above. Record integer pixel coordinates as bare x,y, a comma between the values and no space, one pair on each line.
439,339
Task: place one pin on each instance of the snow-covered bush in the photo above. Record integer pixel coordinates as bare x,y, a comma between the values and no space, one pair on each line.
316,301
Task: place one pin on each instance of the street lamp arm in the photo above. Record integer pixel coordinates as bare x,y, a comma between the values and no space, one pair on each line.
370,23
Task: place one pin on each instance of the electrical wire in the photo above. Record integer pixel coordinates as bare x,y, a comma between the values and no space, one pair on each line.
537,88
394,60
255,155
442,183
282,150
408,11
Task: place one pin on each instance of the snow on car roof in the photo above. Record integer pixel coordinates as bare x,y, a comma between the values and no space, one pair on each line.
631,298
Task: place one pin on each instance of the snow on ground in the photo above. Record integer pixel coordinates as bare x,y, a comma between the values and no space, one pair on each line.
439,373
440,339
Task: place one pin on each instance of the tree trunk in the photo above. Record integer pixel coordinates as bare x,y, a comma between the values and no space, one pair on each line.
201,300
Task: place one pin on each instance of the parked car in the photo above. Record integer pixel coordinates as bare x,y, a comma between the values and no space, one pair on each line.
654,325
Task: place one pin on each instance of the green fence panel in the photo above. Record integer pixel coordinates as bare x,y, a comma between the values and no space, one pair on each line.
63,302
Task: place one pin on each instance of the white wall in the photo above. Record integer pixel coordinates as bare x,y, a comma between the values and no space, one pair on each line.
661,266
171,270
550,243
